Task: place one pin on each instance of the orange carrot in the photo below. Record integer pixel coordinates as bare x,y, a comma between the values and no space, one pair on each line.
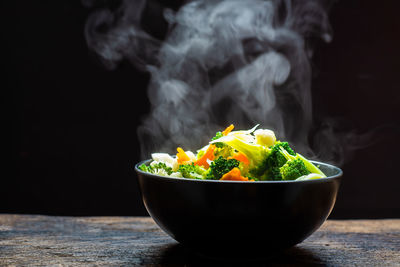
228,130
240,157
181,156
234,175
208,155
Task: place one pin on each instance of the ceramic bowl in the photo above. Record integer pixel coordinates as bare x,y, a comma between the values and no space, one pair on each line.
239,217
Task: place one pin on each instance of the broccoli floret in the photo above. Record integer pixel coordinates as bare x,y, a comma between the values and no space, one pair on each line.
221,166
217,136
191,171
274,174
275,157
309,166
274,161
159,168
145,168
293,169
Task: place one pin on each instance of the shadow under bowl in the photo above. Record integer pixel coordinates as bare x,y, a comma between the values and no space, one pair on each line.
239,218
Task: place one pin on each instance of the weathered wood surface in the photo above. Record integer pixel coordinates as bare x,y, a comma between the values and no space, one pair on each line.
27,240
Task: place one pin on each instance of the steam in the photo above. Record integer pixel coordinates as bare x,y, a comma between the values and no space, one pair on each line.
222,62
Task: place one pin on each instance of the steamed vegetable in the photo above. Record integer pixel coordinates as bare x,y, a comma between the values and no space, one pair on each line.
293,169
206,157
191,171
255,153
234,175
276,160
310,167
182,156
275,157
245,155
159,168
221,166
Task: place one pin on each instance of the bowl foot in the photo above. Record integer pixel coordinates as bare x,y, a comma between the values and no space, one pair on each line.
241,256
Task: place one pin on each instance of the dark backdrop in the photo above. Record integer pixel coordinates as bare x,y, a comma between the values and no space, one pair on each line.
71,125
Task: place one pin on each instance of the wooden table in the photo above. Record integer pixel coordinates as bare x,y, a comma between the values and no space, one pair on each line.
132,241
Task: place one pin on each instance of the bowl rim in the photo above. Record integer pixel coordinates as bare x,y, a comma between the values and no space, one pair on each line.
166,178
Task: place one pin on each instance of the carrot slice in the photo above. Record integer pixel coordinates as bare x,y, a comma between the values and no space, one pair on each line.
228,130
208,155
234,175
181,156
240,157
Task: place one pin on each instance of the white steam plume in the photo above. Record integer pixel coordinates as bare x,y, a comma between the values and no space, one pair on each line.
222,62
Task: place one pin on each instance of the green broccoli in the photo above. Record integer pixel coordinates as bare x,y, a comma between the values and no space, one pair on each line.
221,166
309,166
217,136
293,169
145,168
159,168
275,157
191,171
275,160
274,174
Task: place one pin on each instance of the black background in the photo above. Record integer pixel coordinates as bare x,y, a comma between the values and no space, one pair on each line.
71,125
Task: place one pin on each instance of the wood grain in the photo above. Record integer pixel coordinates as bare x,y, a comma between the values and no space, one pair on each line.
134,241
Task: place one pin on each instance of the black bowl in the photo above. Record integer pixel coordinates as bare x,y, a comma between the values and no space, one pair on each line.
238,217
